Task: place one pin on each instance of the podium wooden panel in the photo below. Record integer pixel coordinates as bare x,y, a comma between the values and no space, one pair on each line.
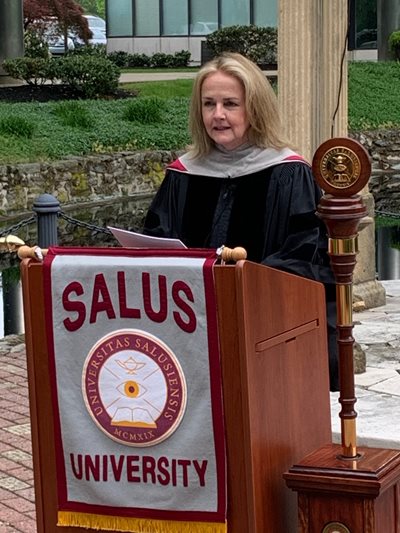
338,495
274,361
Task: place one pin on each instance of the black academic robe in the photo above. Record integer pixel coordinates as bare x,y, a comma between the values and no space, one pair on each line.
271,213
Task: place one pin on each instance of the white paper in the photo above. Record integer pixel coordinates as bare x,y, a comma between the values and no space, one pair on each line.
130,239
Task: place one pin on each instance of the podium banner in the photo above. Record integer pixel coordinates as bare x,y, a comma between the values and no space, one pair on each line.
136,389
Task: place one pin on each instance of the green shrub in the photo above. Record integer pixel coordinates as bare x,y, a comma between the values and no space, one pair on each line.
18,126
257,43
32,70
119,58
161,60
73,113
35,45
145,110
138,60
182,58
394,43
88,50
158,60
93,75
87,70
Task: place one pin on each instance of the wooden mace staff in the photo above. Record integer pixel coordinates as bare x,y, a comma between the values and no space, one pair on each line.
342,167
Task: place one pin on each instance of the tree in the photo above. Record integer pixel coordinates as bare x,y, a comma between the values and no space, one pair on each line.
94,7
65,15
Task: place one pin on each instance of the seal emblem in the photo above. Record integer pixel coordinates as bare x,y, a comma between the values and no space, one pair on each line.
134,388
341,166
335,527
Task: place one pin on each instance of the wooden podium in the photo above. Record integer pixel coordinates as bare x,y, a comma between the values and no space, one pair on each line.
272,329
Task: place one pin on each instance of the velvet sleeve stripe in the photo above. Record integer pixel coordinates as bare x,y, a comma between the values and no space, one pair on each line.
177,165
298,158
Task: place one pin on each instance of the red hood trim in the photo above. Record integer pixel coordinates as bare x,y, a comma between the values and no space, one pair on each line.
299,158
177,165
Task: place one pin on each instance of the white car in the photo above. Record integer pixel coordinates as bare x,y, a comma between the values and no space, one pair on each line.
98,37
96,23
56,42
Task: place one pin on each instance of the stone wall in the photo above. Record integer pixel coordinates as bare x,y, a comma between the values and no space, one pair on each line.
103,177
81,179
382,194
384,184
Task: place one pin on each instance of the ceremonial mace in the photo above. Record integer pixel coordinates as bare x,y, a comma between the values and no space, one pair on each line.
345,490
342,168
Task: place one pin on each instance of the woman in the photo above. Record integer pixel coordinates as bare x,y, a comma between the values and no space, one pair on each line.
240,184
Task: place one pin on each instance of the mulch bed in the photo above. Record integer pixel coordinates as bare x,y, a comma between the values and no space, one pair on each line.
48,93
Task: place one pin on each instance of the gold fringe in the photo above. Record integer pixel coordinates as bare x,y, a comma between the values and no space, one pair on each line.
136,525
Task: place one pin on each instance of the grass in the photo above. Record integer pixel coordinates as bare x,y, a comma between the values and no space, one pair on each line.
148,110
180,69
386,221
16,126
162,89
373,95
106,129
73,113
103,125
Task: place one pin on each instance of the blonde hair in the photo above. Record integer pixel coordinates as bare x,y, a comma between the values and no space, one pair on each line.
261,104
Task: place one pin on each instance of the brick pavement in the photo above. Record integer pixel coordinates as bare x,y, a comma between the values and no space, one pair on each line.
17,499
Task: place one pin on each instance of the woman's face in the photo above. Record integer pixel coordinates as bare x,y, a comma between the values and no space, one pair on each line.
223,110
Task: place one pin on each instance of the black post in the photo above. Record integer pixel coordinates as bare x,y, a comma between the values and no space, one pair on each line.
47,208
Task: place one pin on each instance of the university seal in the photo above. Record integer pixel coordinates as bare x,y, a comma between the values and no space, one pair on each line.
134,388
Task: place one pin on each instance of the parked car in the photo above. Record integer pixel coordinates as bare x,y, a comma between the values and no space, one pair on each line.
56,43
96,23
57,47
98,37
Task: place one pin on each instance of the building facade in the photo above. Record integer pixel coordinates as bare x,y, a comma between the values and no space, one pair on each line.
169,26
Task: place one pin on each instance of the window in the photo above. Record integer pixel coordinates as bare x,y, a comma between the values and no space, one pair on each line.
175,17
147,14
366,24
235,12
144,18
119,18
265,13
204,16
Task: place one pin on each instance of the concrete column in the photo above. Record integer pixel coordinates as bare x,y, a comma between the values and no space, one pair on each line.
388,15
312,93
333,109
11,33
312,86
